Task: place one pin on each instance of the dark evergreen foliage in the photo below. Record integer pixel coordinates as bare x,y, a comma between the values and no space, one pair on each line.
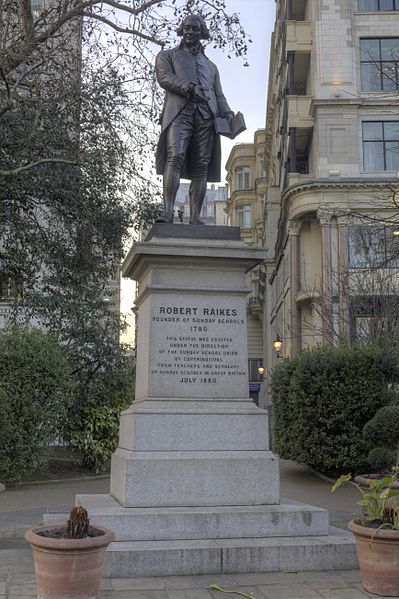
322,398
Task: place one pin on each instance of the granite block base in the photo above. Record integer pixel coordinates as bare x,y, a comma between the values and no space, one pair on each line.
166,524
196,478
194,425
336,551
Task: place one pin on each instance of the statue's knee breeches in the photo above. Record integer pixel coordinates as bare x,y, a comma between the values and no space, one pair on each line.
174,160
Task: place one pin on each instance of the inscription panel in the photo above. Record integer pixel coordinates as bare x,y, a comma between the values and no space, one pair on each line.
198,347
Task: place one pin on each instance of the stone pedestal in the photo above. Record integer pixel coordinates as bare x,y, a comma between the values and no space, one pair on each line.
194,486
192,437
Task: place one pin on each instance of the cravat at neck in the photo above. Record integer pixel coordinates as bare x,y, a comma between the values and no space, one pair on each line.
194,50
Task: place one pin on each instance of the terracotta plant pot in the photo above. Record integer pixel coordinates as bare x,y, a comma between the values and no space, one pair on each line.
68,568
378,563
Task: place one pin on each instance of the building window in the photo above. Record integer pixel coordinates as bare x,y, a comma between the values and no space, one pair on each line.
381,146
373,247
365,327
244,216
377,5
373,317
37,7
8,287
379,60
243,177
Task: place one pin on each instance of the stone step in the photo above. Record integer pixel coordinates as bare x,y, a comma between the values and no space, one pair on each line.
227,556
190,523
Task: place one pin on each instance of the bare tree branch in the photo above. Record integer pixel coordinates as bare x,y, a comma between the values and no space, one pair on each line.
30,165
8,104
394,192
122,29
31,41
80,10
5,83
5,107
125,8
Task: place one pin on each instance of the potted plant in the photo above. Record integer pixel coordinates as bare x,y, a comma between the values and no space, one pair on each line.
377,533
69,558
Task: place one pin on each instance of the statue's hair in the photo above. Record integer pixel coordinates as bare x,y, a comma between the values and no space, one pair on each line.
205,35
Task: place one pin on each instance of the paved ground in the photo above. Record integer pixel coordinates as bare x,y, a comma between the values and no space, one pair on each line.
22,507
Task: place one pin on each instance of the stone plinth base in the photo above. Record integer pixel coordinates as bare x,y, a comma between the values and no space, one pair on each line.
194,478
336,551
188,425
217,540
185,523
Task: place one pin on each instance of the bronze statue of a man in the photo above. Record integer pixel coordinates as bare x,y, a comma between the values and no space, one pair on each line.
188,146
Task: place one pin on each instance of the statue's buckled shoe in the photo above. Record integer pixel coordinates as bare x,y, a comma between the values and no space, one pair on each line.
166,217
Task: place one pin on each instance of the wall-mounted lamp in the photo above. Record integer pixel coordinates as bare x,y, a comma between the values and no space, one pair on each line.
277,345
261,370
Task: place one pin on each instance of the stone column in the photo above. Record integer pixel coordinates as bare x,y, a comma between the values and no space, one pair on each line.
294,228
342,217
324,215
293,154
290,67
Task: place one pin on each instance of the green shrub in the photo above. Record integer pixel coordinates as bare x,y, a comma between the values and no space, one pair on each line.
382,434
92,427
381,458
95,442
322,398
35,391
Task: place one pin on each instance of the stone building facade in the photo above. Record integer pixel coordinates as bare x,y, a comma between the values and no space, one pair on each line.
332,162
245,207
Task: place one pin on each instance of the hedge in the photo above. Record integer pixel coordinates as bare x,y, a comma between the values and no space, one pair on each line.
35,391
322,398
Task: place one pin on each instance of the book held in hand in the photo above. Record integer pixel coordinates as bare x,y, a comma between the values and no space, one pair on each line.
230,129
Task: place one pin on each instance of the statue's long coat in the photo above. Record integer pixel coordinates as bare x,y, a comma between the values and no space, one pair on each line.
176,72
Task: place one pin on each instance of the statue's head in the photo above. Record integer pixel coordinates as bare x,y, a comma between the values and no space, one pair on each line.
195,18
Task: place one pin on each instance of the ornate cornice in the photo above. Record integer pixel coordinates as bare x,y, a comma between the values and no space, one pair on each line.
244,194
318,184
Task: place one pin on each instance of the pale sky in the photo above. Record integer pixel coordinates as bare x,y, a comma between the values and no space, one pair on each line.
244,87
